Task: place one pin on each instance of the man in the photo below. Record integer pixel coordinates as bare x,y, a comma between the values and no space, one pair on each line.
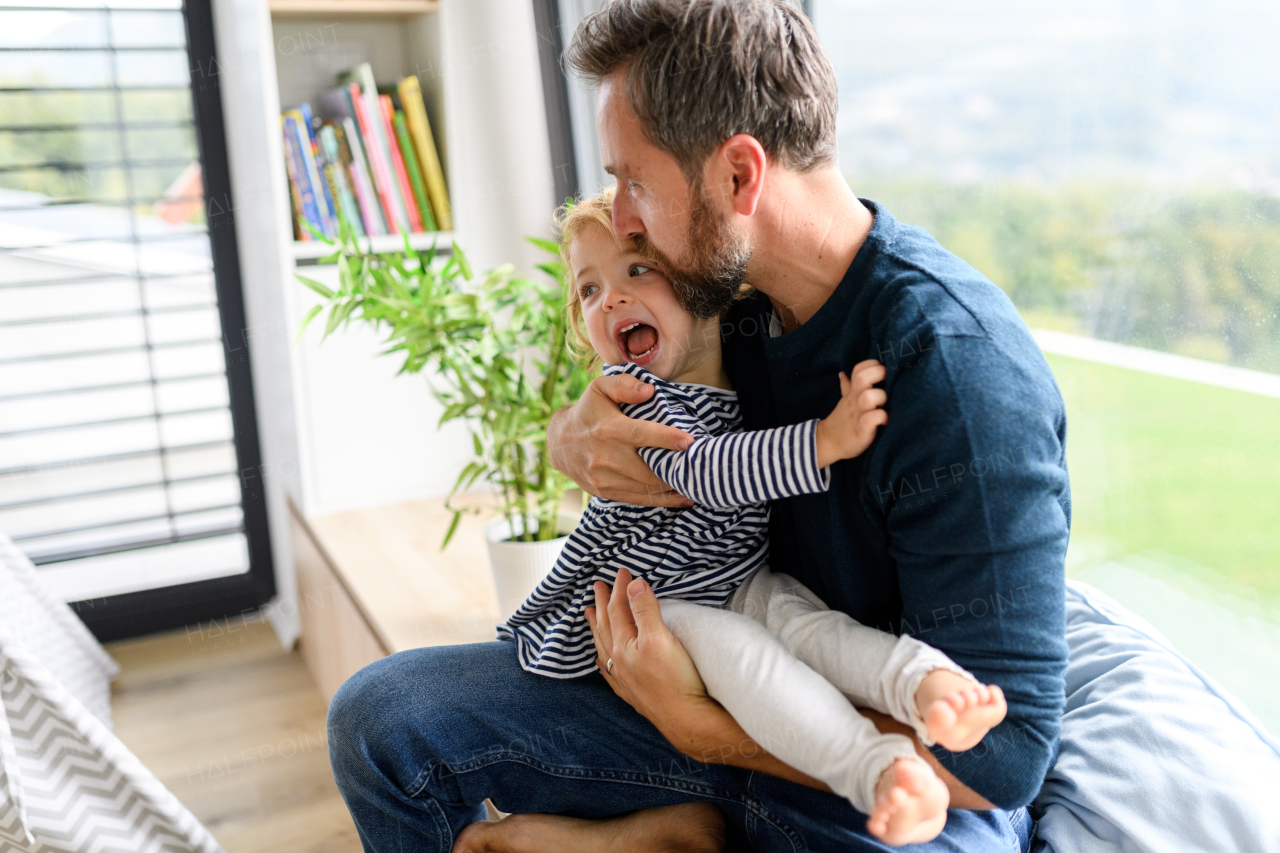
717,120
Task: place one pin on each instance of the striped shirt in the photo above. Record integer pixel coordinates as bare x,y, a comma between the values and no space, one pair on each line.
701,554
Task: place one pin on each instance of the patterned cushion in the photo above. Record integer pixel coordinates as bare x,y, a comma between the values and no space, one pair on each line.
67,784
53,634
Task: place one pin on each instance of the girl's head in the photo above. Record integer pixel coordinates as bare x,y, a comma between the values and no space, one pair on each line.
622,306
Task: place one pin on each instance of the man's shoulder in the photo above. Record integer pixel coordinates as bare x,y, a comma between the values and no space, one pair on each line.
913,285
917,294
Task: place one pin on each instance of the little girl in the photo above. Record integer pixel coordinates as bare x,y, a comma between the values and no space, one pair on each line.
767,648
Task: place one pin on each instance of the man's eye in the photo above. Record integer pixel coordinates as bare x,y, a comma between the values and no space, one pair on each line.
632,185
587,290
638,269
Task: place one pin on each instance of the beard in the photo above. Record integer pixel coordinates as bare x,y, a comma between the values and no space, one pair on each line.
710,272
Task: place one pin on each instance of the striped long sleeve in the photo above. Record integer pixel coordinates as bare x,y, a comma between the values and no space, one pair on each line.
701,554
743,468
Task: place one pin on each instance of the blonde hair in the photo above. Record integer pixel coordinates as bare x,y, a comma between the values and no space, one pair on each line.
571,219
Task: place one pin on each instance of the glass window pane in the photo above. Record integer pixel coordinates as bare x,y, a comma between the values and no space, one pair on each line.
1113,168
172,105
64,147
148,29
26,109
162,143
107,296
102,183
26,28
153,68
92,297
60,69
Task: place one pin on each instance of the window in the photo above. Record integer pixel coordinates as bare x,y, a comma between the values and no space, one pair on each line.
125,411
1115,168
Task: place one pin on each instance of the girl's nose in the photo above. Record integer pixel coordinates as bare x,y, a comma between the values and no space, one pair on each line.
616,296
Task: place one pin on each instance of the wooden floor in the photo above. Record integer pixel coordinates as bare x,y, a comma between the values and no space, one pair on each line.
235,727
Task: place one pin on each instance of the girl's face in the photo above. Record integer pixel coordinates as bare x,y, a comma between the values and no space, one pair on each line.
632,314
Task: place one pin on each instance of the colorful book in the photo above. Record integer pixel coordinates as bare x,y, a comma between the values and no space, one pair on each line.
352,154
300,178
308,124
378,159
415,112
377,140
293,209
338,106
334,165
318,212
415,173
397,161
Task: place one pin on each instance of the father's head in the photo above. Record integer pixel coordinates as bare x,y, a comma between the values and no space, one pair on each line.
698,101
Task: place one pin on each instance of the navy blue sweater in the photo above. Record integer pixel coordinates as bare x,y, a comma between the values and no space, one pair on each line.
953,525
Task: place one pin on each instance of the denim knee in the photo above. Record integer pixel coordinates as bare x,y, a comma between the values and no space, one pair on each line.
356,719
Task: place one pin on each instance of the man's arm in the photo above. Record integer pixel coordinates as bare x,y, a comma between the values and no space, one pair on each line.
594,444
655,675
970,478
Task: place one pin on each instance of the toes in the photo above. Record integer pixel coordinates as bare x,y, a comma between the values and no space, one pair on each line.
941,716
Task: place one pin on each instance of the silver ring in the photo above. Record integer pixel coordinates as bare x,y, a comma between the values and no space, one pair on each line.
608,666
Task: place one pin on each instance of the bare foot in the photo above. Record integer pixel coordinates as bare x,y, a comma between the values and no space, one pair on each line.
687,828
958,712
911,804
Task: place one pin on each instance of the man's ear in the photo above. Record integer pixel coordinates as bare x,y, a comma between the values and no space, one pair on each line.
744,159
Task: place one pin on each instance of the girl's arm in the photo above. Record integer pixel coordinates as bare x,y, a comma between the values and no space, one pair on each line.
751,467
742,468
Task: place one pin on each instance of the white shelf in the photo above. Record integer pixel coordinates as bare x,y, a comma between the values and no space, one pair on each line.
385,243
397,8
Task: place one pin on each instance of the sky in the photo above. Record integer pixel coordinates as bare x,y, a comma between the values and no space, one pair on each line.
1173,92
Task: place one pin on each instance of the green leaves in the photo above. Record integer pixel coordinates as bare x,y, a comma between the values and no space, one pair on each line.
316,286
494,354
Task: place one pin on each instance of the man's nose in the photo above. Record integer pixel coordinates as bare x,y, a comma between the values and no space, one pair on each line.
626,224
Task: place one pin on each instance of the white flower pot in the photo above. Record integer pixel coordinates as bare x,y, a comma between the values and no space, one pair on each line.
518,567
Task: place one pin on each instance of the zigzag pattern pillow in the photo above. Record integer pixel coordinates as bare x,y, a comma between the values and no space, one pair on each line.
67,784
52,633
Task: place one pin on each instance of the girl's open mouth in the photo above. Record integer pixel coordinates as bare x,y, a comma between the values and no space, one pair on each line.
638,341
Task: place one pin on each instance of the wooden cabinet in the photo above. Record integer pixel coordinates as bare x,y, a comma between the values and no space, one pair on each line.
374,582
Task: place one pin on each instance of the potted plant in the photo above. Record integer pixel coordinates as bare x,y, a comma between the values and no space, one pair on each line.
495,356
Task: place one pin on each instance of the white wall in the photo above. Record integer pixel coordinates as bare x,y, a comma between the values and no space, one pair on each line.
500,156
339,430
251,112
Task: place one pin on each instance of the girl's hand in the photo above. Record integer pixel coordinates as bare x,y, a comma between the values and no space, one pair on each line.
851,426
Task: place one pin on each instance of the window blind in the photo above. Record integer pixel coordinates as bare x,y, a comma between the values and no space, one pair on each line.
118,466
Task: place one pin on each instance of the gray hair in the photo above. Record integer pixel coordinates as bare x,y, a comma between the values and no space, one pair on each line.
700,71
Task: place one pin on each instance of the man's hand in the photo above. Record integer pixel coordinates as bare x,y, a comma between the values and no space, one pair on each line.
651,670
655,675
594,444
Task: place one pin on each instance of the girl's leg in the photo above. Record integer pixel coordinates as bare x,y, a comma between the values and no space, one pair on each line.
873,668
786,707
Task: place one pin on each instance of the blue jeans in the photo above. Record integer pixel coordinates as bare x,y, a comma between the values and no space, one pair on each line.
419,739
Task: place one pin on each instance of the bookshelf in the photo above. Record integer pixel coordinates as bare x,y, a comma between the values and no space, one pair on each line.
308,254
402,8
340,430
313,49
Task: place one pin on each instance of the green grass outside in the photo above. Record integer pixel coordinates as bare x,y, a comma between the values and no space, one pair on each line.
1183,469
